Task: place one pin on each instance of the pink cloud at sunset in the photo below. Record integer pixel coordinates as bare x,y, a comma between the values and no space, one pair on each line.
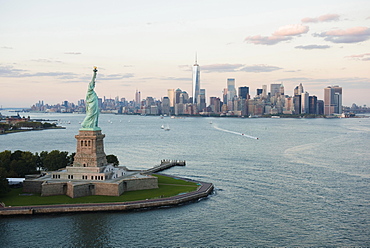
282,34
363,57
291,30
323,18
350,35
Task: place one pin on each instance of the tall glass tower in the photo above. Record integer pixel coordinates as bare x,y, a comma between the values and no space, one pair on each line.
196,81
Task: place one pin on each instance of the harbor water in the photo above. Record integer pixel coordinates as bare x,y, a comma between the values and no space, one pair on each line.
303,182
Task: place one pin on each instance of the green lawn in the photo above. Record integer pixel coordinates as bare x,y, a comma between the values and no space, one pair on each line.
168,186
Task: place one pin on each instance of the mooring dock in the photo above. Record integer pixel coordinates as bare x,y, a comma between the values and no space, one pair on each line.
165,164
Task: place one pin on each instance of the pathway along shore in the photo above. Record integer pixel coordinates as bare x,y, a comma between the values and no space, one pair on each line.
203,191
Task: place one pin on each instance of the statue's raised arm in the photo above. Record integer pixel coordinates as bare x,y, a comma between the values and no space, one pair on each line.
92,107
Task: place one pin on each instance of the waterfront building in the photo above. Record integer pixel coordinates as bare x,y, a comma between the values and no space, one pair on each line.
165,105
320,107
202,100
171,97
177,96
137,97
215,104
333,100
305,103
231,92
338,99
288,106
313,105
297,104
196,82
328,100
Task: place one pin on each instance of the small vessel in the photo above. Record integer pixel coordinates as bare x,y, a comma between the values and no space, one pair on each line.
162,127
167,128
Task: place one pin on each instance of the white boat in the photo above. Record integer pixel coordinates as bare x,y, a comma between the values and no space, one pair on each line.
167,128
162,126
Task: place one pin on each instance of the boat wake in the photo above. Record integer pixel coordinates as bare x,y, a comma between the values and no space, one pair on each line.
242,134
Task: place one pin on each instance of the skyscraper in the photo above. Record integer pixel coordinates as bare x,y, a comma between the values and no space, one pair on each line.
274,89
137,97
305,103
196,81
202,100
338,99
171,97
243,92
231,92
332,100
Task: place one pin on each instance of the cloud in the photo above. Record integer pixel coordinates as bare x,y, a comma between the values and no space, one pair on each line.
284,33
221,67
350,35
238,68
46,61
185,67
175,79
363,57
311,47
323,18
291,30
73,53
265,40
260,68
115,76
9,71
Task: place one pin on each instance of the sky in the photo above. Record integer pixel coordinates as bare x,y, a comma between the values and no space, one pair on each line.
48,48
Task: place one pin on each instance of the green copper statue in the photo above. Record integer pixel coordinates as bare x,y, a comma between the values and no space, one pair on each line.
92,109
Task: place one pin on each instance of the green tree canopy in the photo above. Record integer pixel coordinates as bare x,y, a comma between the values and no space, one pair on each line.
112,159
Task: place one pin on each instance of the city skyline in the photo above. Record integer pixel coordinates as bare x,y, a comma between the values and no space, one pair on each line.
150,46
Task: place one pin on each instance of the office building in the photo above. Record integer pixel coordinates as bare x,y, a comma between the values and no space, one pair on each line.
275,89
243,92
196,81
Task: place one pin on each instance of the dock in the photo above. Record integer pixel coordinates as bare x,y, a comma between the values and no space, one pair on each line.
164,165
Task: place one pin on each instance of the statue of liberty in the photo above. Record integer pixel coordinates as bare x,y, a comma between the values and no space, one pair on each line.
92,109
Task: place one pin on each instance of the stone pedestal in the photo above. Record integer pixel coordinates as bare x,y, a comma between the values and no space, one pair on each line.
90,149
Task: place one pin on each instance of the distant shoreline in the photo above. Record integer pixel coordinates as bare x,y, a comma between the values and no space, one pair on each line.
29,130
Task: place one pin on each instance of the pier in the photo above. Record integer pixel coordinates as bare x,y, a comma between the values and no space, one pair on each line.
164,165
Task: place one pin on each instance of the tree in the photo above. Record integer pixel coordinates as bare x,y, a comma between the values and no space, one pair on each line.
71,159
112,159
55,160
5,158
4,185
